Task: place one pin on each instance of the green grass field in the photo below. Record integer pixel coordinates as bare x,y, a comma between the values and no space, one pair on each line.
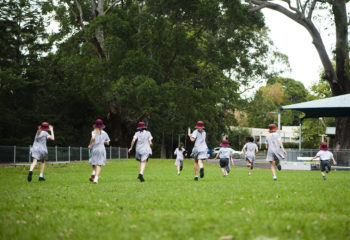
300,205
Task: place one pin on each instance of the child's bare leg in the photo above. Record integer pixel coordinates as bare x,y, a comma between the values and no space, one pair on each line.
272,165
32,166
195,168
42,167
142,167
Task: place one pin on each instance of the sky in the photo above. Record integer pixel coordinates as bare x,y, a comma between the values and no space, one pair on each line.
293,40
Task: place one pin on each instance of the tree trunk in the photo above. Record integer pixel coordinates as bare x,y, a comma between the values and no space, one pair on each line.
342,135
121,134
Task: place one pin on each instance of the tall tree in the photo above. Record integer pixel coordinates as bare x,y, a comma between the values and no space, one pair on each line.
302,12
164,62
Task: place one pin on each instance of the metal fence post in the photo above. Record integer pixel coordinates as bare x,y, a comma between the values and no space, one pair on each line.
68,153
56,152
14,155
110,152
119,153
80,155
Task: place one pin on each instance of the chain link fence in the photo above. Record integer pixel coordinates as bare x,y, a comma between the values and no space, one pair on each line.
21,155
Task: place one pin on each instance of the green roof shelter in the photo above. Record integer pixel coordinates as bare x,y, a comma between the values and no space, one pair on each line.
338,106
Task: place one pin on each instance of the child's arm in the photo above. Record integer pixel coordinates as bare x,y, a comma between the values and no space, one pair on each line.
281,145
91,141
243,149
217,155
334,162
132,144
52,136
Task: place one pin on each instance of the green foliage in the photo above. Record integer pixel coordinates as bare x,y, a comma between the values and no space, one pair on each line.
237,137
278,92
167,206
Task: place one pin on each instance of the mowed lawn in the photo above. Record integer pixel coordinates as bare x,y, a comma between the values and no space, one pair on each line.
300,205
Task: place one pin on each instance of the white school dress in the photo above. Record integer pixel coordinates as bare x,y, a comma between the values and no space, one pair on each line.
39,148
143,148
98,149
274,151
250,151
200,149
179,156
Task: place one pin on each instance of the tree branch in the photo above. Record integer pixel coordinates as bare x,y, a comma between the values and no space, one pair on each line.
93,7
304,7
311,10
81,19
111,6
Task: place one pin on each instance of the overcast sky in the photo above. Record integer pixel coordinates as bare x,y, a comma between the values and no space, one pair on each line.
294,41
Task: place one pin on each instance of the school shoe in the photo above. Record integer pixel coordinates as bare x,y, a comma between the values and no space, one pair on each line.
201,172
324,177
279,166
275,178
30,174
141,178
196,178
42,179
92,178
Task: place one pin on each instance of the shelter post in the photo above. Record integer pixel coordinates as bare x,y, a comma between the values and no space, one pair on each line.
279,119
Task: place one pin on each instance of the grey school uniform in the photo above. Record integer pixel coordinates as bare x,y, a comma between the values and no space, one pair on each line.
39,149
200,149
250,151
98,150
143,148
224,155
179,156
274,152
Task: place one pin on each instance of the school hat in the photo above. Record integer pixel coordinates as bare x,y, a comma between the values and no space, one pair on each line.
324,146
99,124
200,124
224,143
44,126
141,125
272,127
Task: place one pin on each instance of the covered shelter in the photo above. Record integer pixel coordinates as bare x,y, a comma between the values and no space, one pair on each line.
338,106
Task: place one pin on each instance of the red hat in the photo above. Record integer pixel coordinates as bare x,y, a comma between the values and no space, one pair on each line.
141,125
99,124
324,146
273,127
224,143
44,126
200,124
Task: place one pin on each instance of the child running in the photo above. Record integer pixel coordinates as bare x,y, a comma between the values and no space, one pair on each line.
39,149
143,147
99,139
325,156
180,155
225,154
275,152
250,149
200,149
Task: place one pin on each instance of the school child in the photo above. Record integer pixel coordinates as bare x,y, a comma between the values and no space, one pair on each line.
275,152
200,149
39,149
225,154
99,138
325,156
143,147
180,155
250,148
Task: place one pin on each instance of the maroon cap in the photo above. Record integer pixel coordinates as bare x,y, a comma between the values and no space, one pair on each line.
272,127
200,124
99,124
141,125
45,126
324,146
224,143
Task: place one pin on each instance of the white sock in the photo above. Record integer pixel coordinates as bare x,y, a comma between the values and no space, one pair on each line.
141,173
274,177
93,172
96,179
41,175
